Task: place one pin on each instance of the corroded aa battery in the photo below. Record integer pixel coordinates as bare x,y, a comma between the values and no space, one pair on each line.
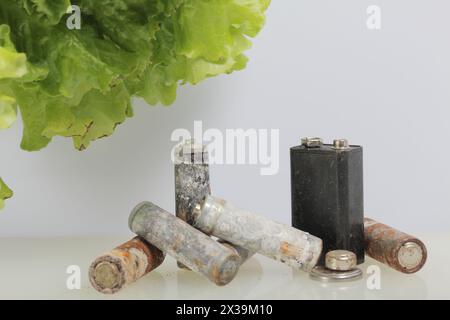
183,242
257,234
327,194
192,184
125,264
397,249
192,181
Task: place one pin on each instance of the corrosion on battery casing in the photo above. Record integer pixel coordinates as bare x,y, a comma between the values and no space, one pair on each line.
257,234
123,265
192,184
192,181
327,194
183,242
243,253
397,249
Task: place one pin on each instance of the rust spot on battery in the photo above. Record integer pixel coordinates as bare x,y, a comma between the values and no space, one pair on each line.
216,274
124,254
290,250
397,249
123,265
257,233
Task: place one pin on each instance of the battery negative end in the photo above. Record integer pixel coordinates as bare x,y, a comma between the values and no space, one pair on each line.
135,211
410,255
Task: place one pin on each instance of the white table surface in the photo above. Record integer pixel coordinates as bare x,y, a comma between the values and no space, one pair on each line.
36,269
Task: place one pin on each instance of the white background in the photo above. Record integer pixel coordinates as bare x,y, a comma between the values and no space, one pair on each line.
314,70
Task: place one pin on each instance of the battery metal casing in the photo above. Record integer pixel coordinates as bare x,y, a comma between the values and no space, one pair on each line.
257,234
395,248
327,196
192,181
127,263
191,247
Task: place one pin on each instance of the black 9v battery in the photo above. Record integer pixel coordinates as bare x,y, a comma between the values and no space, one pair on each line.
327,194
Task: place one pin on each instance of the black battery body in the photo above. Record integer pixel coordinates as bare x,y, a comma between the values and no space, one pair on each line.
327,196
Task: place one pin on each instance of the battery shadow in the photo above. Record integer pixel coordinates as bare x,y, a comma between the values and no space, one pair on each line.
194,286
392,285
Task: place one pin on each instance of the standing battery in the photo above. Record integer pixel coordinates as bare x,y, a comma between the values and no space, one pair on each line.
327,194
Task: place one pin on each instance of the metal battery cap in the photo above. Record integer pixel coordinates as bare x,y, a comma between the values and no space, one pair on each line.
326,275
410,255
312,142
190,152
340,144
340,260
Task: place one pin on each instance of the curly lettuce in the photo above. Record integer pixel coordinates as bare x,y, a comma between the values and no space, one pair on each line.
5,193
79,83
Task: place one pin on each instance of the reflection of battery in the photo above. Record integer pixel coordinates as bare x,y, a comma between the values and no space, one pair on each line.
397,249
327,194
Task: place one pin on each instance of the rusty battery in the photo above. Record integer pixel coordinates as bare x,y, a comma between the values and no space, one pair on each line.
123,265
192,184
192,181
183,242
257,234
397,249
243,253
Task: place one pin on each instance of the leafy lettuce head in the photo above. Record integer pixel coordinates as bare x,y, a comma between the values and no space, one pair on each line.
78,83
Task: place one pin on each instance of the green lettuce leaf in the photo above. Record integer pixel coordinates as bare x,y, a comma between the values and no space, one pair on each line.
8,111
12,63
80,83
5,193
46,11
206,38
